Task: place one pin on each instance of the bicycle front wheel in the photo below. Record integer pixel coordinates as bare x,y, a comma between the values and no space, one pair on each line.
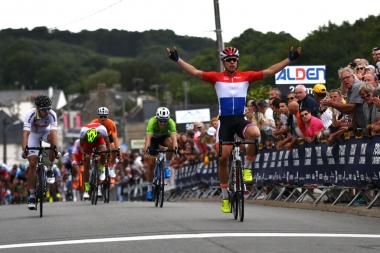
41,189
156,184
240,190
162,185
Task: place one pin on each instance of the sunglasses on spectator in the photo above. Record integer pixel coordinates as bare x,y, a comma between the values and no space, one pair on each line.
345,78
360,68
103,116
290,98
231,59
304,115
368,95
163,120
45,109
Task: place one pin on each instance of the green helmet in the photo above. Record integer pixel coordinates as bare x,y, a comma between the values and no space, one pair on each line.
91,135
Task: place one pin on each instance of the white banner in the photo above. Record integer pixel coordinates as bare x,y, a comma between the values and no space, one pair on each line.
137,143
301,75
190,116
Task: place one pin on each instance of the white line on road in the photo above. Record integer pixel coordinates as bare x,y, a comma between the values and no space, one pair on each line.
184,236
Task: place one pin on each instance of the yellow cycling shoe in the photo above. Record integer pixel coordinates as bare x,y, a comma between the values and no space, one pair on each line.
226,206
247,175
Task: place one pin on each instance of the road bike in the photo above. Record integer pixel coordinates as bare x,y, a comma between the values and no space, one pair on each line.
236,185
40,186
159,177
94,176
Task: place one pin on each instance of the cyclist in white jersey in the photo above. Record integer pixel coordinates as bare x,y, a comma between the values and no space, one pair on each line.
40,122
231,88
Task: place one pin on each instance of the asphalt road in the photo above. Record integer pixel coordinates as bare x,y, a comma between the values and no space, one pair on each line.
182,227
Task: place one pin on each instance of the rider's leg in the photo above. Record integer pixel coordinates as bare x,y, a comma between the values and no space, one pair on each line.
32,174
149,177
169,156
53,140
223,170
86,173
252,133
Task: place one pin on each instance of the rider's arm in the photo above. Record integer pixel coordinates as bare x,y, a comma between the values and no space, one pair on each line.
108,144
54,138
174,140
272,70
189,69
25,136
147,140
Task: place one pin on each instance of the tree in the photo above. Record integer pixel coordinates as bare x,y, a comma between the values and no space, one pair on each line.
107,76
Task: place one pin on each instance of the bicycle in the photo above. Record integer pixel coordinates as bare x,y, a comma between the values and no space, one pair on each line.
40,186
107,181
94,177
236,185
158,178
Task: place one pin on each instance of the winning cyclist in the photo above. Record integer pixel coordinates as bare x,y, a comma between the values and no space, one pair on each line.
112,134
161,130
231,88
93,135
40,122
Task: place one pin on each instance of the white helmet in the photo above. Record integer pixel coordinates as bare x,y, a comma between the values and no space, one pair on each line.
103,111
163,113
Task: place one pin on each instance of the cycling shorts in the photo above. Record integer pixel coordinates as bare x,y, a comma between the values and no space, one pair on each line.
156,142
99,142
78,157
34,140
231,125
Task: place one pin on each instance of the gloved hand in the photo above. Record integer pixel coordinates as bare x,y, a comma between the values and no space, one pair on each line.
24,154
293,55
58,155
173,55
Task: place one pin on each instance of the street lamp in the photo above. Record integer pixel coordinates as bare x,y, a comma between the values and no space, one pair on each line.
155,86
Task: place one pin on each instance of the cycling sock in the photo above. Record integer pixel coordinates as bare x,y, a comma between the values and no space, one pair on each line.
224,190
32,193
167,164
101,167
149,185
50,167
248,161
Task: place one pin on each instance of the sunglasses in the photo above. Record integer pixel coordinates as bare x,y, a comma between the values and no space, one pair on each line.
291,98
231,60
304,115
103,116
368,95
360,68
45,109
163,120
345,78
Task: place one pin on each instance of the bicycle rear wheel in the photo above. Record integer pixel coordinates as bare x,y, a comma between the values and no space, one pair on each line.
240,190
233,197
106,187
96,180
156,183
162,185
41,187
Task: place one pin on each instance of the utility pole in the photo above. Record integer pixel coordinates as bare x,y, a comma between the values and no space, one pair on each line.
218,32
185,90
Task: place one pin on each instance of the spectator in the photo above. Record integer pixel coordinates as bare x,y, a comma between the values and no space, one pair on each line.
276,111
283,130
137,166
214,123
249,110
371,79
291,96
314,126
376,58
354,102
360,71
306,101
274,93
369,108
370,69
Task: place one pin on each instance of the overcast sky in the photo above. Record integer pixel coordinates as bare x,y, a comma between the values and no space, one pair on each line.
184,17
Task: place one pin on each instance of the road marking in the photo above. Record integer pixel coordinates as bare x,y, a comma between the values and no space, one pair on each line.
184,236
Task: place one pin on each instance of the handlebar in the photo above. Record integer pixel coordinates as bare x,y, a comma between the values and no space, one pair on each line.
108,151
41,148
163,150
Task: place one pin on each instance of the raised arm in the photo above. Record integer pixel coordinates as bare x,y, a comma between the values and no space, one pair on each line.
272,70
191,70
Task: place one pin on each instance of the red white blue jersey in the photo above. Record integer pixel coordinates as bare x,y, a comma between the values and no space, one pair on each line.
231,89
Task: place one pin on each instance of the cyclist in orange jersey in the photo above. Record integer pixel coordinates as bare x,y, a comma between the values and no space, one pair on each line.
112,134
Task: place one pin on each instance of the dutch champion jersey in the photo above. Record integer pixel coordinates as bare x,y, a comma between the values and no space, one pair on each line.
33,123
231,89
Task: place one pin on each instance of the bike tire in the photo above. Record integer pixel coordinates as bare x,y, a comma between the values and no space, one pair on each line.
240,191
156,184
234,197
41,189
96,180
162,185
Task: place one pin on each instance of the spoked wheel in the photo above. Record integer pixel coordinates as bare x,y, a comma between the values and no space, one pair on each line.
162,186
96,185
156,192
41,189
106,190
240,191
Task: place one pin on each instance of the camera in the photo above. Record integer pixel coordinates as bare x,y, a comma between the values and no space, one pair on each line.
352,64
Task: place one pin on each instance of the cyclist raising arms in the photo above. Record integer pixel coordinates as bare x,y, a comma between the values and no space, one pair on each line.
93,135
40,122
231,88
112,134
161,130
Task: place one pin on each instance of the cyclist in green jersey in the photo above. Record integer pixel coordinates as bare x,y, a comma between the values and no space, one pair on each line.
161,130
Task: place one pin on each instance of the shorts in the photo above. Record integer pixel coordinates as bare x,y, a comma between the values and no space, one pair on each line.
156,142
231,125
95,145
34,140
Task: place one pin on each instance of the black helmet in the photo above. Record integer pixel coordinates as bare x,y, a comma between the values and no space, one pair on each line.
42,101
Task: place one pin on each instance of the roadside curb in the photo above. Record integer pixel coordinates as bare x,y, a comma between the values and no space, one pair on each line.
339,208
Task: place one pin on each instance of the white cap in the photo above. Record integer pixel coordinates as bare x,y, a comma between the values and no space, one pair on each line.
211,131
